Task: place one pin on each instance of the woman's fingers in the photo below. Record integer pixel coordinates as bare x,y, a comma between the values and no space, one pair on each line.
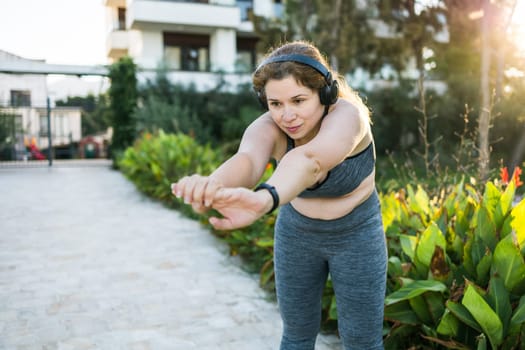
212,187
197,191
199,208
220,223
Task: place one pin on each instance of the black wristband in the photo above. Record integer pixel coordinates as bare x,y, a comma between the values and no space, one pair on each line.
273,192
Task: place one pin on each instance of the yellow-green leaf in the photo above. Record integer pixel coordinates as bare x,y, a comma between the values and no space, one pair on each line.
414,289
518,222
509,265
484,315
431,237
408,245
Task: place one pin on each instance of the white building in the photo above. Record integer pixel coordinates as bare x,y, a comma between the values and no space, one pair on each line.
23,104
193,39
196,39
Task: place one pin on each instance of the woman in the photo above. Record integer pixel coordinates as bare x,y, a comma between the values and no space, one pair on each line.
329,221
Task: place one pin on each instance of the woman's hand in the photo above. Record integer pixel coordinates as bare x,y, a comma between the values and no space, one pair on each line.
239,207
197,190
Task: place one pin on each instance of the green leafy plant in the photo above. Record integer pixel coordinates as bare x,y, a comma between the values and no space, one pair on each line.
456,269
157,160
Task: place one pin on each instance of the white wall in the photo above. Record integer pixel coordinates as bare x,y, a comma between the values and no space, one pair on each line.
223,50
146,48
36,84
263,8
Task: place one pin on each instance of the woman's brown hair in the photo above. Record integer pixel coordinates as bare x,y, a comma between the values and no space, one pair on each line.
303,74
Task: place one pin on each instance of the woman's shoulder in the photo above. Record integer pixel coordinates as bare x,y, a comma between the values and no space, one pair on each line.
264,123
265,130
347,111
346,106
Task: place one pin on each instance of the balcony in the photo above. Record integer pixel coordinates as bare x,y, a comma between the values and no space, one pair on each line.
117,44
148,14
115,3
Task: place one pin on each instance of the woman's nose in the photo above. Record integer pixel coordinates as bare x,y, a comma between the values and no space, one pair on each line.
288,113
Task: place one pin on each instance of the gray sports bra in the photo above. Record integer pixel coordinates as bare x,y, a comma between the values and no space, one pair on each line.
344,177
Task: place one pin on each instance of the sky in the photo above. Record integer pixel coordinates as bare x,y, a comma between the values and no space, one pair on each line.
67,31
58,31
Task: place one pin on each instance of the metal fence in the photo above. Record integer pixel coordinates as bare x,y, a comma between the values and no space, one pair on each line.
18,140
40,136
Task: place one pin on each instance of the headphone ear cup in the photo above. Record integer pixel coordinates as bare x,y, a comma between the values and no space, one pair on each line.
328,94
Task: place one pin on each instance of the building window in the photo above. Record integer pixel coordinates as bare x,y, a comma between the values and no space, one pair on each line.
43,125
246,7
121,18
20,98
61,125
278,8
187,52
246,55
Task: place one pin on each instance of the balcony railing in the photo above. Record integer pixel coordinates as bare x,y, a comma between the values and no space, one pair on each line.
144,13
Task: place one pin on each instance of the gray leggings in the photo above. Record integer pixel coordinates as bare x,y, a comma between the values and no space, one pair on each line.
352,250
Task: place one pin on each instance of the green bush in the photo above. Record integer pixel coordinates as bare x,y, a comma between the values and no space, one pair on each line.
156,161
456,276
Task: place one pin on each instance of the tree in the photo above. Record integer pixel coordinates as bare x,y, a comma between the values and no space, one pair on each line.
478,46
95,113
339,28
416,25
123,100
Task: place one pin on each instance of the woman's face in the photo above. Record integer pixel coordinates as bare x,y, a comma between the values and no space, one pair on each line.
295,108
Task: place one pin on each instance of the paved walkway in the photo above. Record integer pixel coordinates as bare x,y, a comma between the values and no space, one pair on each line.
87,262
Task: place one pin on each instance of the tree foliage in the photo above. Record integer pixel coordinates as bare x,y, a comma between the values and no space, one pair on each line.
217,116
123,101
337,27
95,112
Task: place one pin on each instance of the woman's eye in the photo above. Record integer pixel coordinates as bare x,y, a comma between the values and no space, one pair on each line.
298,101
275,104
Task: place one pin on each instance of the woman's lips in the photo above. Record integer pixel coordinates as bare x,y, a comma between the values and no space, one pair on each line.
293,129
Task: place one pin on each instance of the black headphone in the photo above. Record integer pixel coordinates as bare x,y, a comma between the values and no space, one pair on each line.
328,94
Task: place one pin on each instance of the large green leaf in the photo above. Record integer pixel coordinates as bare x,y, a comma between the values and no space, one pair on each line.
463,314
468,264
509,265
483,269
491,197
414,289
431,237
475,250
499,300
408,245
484,315
465,215
395,268
419,304
389,209
449,324
452,200
518,222
504,204
518,317
436,306
401,312
486,229
419,201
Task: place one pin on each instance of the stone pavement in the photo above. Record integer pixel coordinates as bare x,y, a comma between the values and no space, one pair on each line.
87,262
